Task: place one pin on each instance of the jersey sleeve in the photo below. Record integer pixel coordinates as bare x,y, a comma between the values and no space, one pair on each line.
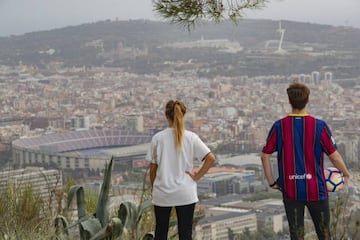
327,140
271,141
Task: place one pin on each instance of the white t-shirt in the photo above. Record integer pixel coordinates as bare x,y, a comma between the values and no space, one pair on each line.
172,185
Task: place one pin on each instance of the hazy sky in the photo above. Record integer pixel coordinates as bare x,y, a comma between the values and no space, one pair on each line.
21,16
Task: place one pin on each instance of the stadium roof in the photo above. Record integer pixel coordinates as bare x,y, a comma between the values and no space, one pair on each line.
242,160
79,140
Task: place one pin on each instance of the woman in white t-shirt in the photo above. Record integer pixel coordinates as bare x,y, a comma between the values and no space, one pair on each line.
172,178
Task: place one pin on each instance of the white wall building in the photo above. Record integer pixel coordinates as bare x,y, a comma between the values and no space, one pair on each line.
47,183
220,226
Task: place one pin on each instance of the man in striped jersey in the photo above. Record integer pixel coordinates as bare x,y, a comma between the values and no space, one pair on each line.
300,141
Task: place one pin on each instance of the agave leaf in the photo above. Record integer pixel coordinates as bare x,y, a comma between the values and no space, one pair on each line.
89,228
61,221
117,227
142,208
78,221
80,201
102,212
102,234
128,214
148,236
114,229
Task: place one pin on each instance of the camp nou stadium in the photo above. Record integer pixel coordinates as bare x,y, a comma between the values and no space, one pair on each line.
84,149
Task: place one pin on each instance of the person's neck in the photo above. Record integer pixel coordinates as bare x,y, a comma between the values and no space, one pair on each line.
298,111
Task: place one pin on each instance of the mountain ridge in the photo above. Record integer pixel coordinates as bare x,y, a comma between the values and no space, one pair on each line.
135,43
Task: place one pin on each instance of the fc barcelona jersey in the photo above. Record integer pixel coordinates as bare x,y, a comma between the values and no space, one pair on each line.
300,142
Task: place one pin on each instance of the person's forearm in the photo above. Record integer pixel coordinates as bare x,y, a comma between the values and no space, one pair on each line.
153,169
208,162
265,160
339,163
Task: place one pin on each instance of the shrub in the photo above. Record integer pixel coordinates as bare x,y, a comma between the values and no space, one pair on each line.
98,225
23,214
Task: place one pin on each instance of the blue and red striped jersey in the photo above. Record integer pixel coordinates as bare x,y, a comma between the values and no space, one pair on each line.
300,142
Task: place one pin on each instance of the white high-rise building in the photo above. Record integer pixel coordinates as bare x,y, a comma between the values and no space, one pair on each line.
135,122
302,78
79,122
328,76
315,75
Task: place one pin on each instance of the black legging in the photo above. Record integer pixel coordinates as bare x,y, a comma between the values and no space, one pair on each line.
320,215
184,215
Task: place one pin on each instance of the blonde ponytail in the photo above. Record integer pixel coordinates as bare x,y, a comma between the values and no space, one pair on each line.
175,111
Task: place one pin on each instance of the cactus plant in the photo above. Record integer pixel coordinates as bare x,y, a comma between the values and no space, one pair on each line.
98,225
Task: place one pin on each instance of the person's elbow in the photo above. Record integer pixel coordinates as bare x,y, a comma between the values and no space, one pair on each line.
153,168
210,159
264,157
335,156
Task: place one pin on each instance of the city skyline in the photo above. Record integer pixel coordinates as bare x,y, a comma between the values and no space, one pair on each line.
20,16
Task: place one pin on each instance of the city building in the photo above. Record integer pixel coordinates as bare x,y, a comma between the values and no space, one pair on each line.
78,122
47,183
224,183
328,76
135,122
272,216
225,224
315,75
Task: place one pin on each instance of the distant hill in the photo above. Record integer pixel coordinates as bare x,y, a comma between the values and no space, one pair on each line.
122,43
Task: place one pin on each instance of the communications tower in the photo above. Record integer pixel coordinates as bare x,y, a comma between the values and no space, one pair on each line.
282,32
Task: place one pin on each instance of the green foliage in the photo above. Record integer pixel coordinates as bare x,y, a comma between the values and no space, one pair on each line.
345,222
189,12
91,199
69,183
130,215
23,213
98,225
91,195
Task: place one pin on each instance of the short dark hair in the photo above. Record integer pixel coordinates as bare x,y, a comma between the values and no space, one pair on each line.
298,94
